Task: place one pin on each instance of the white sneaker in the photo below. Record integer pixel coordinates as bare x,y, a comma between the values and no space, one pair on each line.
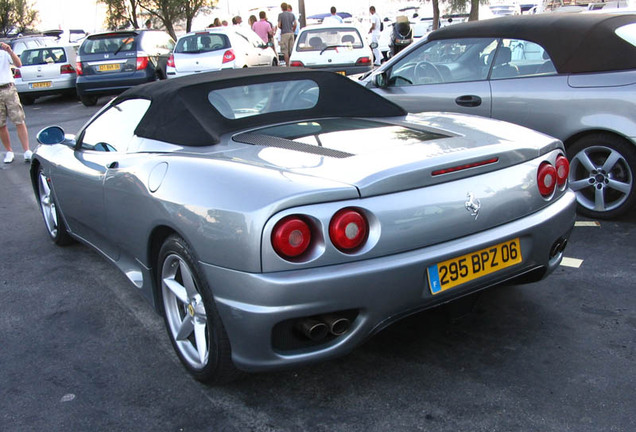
28,155
9,157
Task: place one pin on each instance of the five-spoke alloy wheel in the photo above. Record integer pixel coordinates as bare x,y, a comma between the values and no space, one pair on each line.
602,175
52,219
193,324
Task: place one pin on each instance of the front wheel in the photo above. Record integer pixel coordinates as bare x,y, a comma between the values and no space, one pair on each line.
194,326
602,171
52,219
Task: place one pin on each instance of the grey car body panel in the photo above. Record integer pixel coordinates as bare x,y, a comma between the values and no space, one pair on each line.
440,97
251,304
587,108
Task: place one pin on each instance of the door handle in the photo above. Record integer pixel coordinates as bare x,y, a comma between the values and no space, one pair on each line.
468,101
113,165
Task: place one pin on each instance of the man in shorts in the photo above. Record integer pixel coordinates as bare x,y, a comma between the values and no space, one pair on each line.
287,24
10,105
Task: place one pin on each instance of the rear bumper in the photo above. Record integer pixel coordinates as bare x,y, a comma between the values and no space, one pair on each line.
57,87
380,290
95,85
343,69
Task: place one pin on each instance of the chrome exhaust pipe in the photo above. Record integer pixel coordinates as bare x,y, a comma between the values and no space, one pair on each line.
338,325
313,329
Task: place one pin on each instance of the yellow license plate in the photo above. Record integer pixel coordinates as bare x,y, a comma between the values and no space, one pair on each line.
108,67
44,84
456,271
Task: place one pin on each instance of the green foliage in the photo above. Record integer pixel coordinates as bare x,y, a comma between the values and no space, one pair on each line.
16,16
168,13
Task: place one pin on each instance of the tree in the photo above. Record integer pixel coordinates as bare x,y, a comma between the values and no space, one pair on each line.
121,13
171,13
461,5
16,16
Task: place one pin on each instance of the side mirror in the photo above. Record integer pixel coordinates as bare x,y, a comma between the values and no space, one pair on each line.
51,135
381,80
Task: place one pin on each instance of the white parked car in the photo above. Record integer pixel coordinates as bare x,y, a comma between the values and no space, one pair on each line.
336,48
46,71
219,48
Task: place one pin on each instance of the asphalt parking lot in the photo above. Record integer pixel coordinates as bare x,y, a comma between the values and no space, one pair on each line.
80,349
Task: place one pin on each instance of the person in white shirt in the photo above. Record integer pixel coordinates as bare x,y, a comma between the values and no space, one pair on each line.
333,18
375,36
10,105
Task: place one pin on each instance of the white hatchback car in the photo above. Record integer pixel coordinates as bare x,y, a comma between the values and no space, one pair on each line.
219,48
337,48
46,71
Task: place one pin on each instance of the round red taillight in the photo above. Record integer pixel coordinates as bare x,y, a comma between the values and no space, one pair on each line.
228,56
291,237
348,230
546,179
562,169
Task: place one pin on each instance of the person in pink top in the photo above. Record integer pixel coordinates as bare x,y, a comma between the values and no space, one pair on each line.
263,28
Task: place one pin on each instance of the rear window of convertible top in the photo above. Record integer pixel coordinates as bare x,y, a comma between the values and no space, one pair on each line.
256,99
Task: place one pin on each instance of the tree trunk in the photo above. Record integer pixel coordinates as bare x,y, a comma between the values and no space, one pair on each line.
435,14
474,10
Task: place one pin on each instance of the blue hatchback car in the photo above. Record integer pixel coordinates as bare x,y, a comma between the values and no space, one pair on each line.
111,62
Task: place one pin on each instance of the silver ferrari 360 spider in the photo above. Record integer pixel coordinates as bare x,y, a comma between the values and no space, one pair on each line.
280,217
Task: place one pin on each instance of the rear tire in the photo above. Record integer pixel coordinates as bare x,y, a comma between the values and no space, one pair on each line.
602,174
88,100
27,100
193,323
52,218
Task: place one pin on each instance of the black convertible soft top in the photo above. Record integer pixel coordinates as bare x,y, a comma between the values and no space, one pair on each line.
576,42
181,113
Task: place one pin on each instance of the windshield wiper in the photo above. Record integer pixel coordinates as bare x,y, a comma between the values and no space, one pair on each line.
122,44
333,47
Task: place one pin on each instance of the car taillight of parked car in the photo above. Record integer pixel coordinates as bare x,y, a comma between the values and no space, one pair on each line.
363,61
67,69
294,237
171,61
296,63
348,230
78,67
562,170
17,73
142,61
228,56
291,236
549,177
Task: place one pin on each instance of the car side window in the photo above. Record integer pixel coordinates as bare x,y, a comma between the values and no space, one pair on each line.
520,58
101,135
445,61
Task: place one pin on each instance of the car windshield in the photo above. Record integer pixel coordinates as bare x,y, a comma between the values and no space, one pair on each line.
319,39
257,99
109,43
42,56
202,42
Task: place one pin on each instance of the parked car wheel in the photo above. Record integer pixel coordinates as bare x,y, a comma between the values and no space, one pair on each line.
89,100
602,175
193,324
52,219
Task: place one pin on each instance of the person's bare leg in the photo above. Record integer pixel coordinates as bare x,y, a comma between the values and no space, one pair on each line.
4,136
23,134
